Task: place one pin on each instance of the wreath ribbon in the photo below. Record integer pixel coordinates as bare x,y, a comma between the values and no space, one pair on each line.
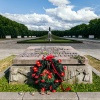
49,58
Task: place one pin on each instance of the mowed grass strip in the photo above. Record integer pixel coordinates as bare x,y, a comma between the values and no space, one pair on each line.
4,63
94,62
54,39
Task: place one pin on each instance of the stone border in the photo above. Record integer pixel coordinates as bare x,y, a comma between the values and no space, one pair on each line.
96,71
52,96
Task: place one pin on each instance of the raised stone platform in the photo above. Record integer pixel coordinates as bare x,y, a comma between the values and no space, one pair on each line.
32,54
77,68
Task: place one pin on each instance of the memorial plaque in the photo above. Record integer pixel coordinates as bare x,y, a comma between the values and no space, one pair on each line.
67,54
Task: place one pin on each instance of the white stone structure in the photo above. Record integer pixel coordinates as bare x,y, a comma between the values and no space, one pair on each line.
8,36
19,37
25,36
80,36
91,36
73,36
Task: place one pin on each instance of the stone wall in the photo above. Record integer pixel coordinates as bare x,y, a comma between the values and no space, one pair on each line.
73,74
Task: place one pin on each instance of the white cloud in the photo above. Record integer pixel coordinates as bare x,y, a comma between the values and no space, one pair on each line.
68,14
59,2
62,17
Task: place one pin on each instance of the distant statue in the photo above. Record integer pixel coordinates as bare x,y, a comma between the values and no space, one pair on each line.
49,34
49,29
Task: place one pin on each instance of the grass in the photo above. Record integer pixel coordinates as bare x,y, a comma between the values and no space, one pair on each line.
6,87
6,62
94,87
55,39
94,62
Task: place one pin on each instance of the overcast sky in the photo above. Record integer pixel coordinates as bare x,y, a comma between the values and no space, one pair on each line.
57,14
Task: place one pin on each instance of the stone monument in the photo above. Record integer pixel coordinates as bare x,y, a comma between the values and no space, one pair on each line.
49,34
77,68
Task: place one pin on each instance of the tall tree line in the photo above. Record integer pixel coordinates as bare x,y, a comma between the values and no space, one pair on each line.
14,29
93,28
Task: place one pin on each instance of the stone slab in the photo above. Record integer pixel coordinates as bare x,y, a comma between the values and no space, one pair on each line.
52,96
32,54
73,74
88,95
96,71
20,75
25,36
78,74
80,36
10,96
91,36
8,36
19,37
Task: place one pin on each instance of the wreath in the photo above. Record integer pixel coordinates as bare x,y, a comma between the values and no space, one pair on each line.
48,73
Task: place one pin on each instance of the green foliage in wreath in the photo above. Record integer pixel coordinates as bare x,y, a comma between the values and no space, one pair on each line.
48,74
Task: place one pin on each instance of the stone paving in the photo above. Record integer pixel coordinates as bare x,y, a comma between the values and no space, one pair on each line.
87,48
52,96
11,47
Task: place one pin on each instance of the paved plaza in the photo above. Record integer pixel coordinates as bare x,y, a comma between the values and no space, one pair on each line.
10,47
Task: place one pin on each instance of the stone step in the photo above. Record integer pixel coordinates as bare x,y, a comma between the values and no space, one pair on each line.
52,96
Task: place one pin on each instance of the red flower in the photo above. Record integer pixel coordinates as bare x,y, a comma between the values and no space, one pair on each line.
59,61
50,87
53,90
36,82
41,74
43,89
42,81
49,76
39,65
36,76
33,75
62,74
37,62
35,69
68,89
56,81
64,67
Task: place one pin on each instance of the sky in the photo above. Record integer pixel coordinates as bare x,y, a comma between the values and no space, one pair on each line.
57,14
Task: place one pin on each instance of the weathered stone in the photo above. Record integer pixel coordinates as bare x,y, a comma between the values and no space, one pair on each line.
75,72
78,74
23,74
52,96
32,54
10,96
89,95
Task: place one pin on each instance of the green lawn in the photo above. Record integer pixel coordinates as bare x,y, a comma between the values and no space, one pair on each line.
4,63
6,87
44,39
